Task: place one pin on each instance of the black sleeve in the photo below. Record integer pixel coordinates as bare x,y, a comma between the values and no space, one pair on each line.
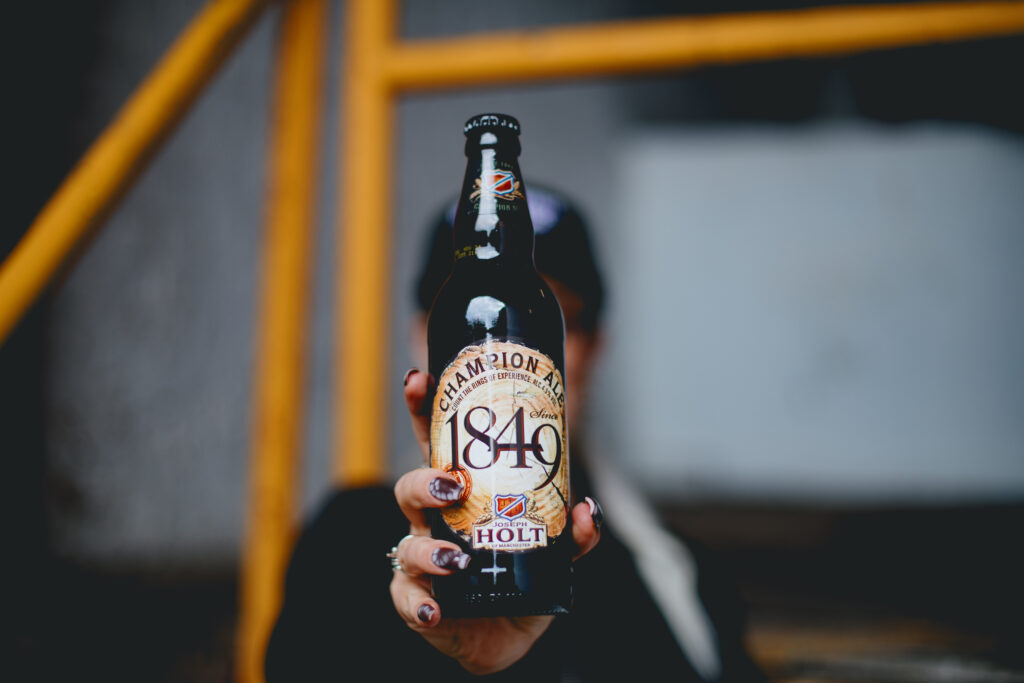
721,599
337,622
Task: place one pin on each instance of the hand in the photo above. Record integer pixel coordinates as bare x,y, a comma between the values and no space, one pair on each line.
483,645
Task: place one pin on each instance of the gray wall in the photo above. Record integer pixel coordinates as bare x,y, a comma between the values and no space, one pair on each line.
822,306
831,313
150,338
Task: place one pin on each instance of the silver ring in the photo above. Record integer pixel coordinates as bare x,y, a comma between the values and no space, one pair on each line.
396,564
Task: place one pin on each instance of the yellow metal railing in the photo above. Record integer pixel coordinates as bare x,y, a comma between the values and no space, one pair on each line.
686,42
279,390
377,68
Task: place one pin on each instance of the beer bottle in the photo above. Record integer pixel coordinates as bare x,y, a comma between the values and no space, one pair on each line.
498,422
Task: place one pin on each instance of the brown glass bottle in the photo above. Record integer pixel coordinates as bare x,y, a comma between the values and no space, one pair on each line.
498,422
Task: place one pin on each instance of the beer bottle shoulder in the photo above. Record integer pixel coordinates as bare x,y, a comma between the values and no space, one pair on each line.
489,301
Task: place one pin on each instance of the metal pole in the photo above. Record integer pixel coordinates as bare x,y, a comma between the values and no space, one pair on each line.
279,386
114,159
685,42
361,367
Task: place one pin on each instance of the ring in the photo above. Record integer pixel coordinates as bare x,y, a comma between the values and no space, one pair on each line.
396,564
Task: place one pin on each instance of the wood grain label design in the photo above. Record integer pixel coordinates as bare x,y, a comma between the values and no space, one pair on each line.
498,426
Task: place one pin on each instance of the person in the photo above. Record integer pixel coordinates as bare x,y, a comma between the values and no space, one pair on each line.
645,602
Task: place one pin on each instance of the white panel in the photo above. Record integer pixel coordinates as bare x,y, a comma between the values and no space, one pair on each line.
821,312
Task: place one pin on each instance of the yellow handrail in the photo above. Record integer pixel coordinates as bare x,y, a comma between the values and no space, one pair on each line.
279,387
364,210
112,161
679,42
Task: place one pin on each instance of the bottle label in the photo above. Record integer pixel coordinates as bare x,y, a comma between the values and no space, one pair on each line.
498,426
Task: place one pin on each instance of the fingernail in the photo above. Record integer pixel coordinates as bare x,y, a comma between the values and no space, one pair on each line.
449,558
425,613
409,373
444,489
596,513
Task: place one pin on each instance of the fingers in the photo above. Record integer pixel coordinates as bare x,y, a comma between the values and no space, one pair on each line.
421,555
587,518
425,488
417,386
413,601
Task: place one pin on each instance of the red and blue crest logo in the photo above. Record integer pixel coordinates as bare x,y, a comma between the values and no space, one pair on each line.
502,182
510,507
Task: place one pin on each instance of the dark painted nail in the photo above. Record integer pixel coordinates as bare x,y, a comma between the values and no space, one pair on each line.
409,373
425,613
596,513
444,489
449,558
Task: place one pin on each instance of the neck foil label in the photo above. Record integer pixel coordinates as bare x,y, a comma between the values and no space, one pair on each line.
498,426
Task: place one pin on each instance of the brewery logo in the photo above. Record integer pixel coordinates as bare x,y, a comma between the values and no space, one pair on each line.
502,183
512,528
510,507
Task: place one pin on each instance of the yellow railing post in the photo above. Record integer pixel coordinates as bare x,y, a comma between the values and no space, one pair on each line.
113,160
610,48
361,367
279,387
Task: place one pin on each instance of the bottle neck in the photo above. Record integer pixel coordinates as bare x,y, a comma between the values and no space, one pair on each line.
492,221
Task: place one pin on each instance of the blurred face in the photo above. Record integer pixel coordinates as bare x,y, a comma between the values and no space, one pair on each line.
581,347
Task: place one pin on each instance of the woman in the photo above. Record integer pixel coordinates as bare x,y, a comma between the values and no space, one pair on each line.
645,603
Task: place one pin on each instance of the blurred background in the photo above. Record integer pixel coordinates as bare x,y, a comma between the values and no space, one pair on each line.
813,357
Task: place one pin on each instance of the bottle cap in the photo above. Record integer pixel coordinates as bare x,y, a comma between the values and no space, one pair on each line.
491,122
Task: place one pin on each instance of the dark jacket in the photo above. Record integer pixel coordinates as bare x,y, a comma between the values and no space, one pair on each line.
338,623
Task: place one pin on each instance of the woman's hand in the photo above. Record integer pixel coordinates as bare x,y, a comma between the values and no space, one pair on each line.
482,645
